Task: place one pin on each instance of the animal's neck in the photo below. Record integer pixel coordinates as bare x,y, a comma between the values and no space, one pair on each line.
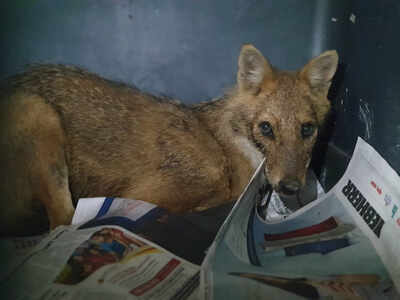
221,118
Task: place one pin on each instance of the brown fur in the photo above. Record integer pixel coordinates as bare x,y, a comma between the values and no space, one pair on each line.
67,134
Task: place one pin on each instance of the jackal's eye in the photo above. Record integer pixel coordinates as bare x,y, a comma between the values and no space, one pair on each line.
307,130
266,129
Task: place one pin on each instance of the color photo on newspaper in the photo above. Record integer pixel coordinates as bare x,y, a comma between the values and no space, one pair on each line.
107,254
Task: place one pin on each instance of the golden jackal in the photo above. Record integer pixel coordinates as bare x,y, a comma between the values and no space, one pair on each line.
67,134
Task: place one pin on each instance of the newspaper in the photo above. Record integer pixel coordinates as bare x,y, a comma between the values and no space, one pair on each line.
274,208
344,245
104,255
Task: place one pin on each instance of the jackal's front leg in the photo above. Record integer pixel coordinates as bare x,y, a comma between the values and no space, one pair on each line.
41,129
53,191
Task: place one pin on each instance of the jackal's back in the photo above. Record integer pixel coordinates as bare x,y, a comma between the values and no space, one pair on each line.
117,135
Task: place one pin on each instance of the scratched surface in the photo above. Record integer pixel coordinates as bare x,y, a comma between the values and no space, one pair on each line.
367,103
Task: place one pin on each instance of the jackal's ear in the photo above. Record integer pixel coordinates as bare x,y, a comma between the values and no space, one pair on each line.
320,70
253,68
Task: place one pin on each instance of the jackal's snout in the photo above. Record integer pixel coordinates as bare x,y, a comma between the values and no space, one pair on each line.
289,186
284,180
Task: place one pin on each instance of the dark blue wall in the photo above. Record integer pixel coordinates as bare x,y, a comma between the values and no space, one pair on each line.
185,49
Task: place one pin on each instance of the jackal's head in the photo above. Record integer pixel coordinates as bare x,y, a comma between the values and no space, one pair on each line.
282,112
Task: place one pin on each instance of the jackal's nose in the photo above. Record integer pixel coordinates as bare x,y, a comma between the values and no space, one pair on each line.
289,187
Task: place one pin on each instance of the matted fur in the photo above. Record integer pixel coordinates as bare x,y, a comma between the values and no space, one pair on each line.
67,133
